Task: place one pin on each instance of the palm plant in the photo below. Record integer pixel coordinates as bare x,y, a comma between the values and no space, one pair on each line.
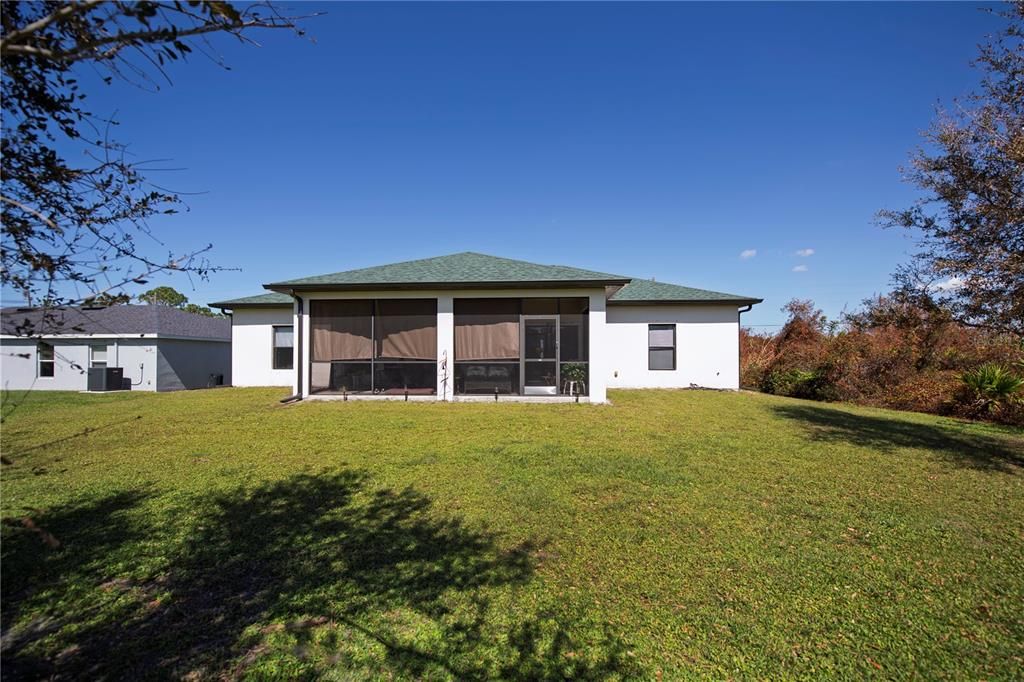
992,386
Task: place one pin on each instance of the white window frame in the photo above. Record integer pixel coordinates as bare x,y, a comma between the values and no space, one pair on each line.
274,347
52,361
92,356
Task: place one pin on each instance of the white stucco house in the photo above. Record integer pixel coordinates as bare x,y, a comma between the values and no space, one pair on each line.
469,326
154,347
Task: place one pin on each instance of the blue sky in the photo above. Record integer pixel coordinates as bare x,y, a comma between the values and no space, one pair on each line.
652,140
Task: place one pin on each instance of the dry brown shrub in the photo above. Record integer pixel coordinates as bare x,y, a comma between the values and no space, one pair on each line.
890,353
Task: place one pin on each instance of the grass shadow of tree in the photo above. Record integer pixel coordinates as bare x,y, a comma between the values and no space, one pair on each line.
321,572
85,534
887,434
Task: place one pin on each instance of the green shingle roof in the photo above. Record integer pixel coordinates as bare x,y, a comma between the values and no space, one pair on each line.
469,269
649,291
262,300
458,269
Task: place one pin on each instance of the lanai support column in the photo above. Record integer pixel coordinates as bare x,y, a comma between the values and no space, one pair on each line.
445,346
304,361
600,353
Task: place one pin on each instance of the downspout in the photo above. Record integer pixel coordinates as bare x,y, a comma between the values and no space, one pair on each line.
298,347
739,362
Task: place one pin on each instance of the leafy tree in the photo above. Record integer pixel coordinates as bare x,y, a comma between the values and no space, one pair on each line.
924,324
164,296
200,310
175,299
71,226
106,299
971,217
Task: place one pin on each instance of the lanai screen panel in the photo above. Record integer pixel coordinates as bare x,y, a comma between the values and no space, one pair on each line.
380,346
487,345
486,329
406,329
341,330
405,343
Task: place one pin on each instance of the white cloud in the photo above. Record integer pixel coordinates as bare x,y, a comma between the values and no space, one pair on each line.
804,253
800,268
951,284
747,254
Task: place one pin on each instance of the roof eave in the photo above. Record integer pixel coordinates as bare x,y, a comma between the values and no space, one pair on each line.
662,301
227,305
287,288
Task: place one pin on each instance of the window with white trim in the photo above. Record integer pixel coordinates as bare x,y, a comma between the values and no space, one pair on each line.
44,357
98,355
661,346
284,345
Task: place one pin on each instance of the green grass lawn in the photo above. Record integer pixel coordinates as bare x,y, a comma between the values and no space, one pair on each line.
672,534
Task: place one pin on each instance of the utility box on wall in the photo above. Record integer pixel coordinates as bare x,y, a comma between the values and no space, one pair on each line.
106,379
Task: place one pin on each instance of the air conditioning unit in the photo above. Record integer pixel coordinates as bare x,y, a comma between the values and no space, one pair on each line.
106,379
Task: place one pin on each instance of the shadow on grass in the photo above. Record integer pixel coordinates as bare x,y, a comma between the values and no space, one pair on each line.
67,547
974,451
292,579
10,458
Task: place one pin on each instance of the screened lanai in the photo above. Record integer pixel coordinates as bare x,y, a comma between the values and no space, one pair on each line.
503,346
386,346
521,346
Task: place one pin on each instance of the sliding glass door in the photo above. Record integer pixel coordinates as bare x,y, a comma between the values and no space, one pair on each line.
540,354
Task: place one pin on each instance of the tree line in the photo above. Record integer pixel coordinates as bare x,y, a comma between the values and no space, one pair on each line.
949,337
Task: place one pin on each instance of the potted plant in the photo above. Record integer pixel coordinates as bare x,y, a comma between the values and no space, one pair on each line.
575,372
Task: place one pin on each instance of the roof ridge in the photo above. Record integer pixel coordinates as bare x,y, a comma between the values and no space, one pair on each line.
401,262
464,267
640,290
683,286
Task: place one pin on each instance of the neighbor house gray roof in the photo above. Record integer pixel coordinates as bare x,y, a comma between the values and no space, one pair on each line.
648,291
271,300
114,320
459,270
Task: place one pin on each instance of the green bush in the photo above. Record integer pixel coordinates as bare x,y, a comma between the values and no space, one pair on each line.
990,388
782,382
799,383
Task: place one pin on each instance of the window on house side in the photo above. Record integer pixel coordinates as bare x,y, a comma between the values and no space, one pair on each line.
44,354
283,347
661,346
98,356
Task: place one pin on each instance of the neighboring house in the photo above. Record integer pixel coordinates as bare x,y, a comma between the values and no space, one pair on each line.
159,348
470,325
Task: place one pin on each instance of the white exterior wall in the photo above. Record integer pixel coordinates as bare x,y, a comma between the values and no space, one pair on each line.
707,346
252,347
19,363
446,326
138,359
